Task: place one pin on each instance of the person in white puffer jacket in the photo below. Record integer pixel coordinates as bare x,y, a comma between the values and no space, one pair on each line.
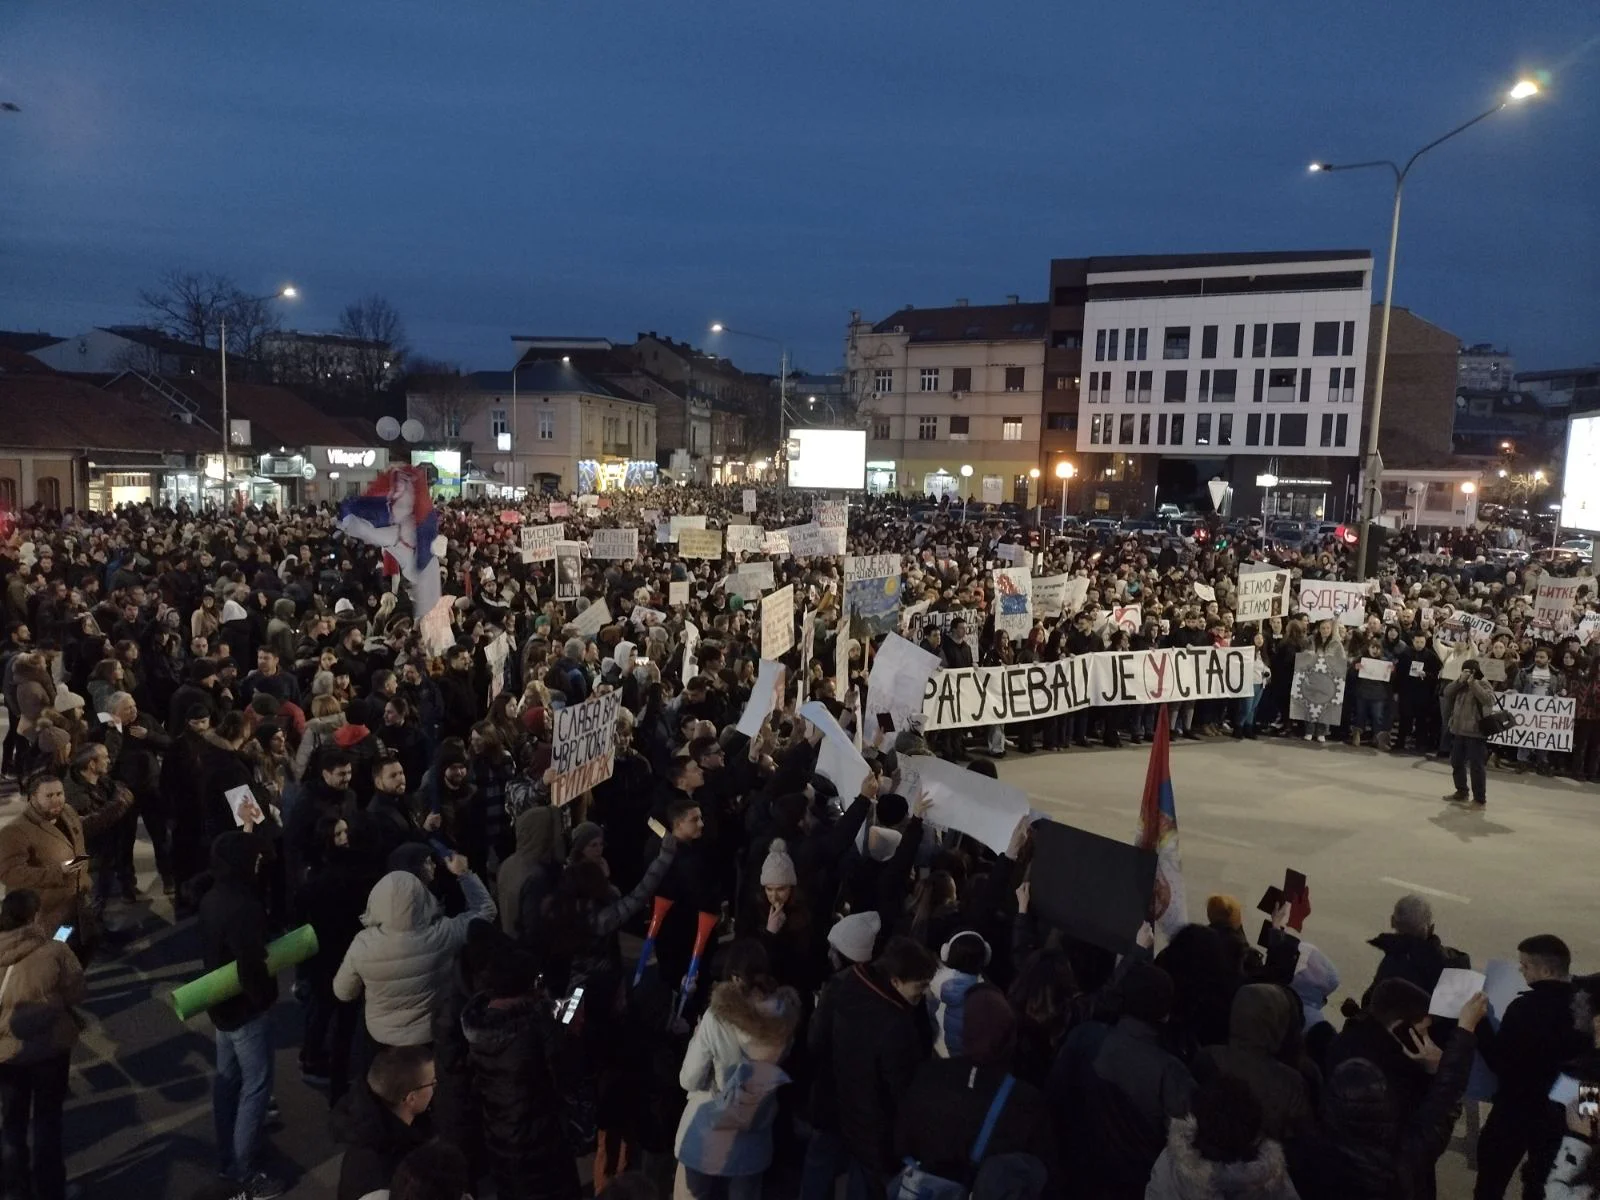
402,958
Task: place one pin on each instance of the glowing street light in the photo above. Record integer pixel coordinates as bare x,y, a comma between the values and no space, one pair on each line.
1372,485
1468,487
1064,472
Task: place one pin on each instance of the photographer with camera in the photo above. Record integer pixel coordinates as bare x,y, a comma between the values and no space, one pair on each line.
1468,700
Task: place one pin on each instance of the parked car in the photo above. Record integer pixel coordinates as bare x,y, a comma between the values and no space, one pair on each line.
1101,527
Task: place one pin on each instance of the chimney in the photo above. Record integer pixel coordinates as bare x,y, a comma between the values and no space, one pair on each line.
1013,298
961,301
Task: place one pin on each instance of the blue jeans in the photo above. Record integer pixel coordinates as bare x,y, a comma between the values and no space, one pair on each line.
241,1094
1371,710
1247,709
721,1187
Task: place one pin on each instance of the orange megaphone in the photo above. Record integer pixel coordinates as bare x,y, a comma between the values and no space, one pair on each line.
660,906
707,926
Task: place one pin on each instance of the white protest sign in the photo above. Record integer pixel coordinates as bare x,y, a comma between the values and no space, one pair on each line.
592,619
1502,983
664,534
1017,556
777,622
689,521
1049,594
808,644
757,575
1543,722
558,508
1262,594
644,617
745,539
691,643
242,803
898,681
1589,628
837,756
1555,599
1376,668
650,515
982,808
1327,599
539,541
746,586
832,515
860,567
1127,617
765,695
614,543
749,500
582,746
968,696
775,542
1205,591
700,543
678,591
1456,986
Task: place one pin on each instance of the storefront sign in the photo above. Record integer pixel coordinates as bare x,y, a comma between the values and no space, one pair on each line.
351,458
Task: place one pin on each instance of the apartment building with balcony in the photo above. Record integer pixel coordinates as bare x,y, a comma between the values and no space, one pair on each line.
1189,367
943,388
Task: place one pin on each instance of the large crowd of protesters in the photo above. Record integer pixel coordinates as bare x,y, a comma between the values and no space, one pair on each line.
879,1007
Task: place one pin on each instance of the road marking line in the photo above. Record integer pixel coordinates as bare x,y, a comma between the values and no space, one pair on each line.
1426,891
1217,837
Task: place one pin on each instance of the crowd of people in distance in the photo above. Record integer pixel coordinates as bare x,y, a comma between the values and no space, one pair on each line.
710,973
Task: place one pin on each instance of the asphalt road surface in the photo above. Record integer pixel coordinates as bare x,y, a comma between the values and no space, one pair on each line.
1364,828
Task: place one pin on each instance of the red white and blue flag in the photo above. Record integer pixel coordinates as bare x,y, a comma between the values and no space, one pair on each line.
1158,831
396,514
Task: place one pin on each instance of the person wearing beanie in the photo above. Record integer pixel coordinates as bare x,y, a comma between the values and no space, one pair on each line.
961,965
854,938
588,842
781,919
949,1101
1225,916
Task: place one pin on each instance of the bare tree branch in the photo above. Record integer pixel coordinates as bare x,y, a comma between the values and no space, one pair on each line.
439,396
190,305
374,322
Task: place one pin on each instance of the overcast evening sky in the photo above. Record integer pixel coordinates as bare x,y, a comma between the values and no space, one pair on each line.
612,166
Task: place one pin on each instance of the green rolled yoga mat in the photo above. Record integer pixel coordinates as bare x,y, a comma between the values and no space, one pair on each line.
222,984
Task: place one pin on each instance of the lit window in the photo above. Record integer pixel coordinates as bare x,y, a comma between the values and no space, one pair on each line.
1011,429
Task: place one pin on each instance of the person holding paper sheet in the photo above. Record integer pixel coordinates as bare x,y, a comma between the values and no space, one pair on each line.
1467,700
1534,1039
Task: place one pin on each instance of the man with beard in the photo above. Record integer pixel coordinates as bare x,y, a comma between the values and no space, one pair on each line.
460,700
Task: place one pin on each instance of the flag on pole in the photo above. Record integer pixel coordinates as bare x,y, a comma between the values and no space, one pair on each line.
1158,831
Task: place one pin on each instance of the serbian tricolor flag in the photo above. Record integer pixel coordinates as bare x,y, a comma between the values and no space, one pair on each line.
1158,831
396,514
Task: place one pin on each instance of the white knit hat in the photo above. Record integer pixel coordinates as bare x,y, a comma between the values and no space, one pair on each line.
854,936
778,869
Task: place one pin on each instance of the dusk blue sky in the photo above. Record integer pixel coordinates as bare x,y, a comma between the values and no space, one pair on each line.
613,166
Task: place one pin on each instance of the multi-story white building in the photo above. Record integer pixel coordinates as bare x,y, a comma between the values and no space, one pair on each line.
944,388
1239,366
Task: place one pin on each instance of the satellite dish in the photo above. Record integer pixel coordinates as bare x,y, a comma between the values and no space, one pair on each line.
412,430
388,428
502,466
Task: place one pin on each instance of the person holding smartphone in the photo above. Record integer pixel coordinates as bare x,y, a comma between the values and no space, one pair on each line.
43,850
42,979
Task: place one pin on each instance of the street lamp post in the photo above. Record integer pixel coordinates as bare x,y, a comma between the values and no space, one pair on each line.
783,369
966,474
1064,472
1038,500
286,292
1373,489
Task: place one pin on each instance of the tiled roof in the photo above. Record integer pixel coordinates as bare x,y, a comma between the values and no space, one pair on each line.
53,412
155,339
26,343
970,323
277,415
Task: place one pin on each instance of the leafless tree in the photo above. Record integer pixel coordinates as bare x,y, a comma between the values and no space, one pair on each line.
192,306
375,323
444,400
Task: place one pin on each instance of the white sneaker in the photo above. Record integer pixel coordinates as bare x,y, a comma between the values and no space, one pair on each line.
1321,738
1308,737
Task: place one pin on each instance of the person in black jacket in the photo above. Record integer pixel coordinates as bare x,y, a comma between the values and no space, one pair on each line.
135,742
868,1038
947,1105
332,902
384,1119
1375,1142
233,925
508,1027
1413,951
1535,1038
